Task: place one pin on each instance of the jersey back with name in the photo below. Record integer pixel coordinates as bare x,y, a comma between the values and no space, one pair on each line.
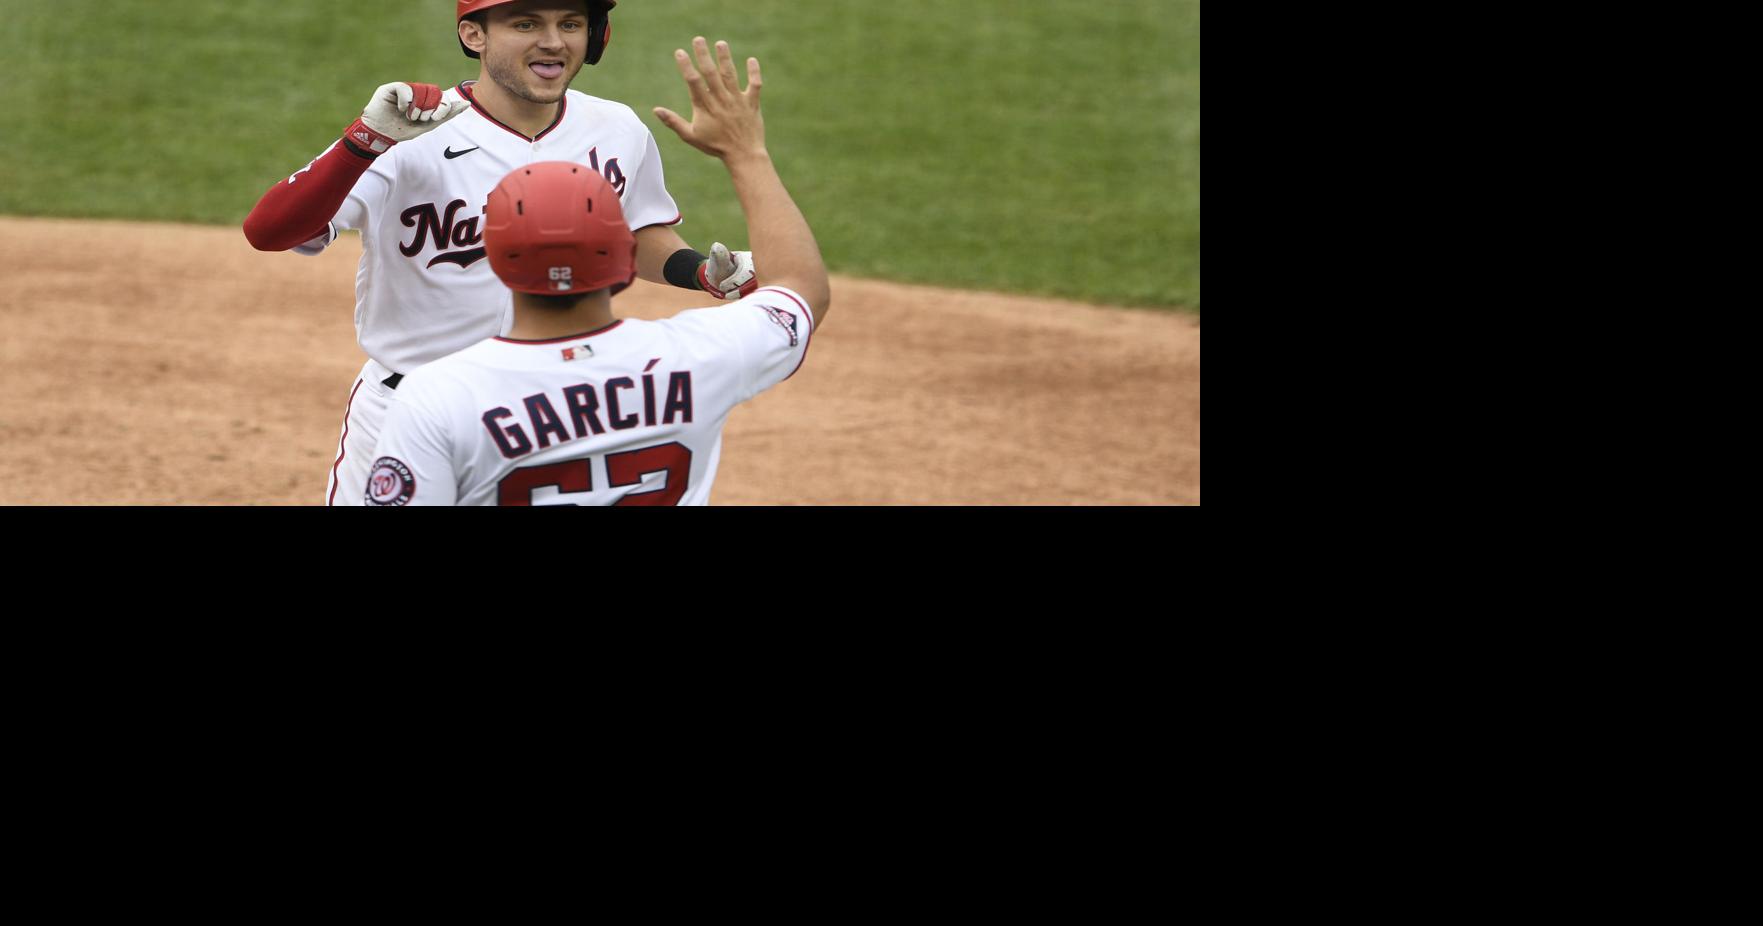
425,288
628,415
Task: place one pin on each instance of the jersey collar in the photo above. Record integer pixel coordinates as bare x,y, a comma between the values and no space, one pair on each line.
562,107
573,337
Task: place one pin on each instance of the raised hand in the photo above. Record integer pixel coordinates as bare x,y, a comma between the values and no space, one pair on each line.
725,119
401,111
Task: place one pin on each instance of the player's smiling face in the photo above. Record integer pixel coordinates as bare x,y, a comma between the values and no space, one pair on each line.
534,49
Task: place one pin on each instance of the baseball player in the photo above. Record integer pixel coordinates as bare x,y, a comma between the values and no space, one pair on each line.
412,174
574,406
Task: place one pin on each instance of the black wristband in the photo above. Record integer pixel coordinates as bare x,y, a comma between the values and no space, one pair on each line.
682,269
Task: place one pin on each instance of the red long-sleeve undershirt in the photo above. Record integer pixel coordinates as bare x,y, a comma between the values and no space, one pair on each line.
299,208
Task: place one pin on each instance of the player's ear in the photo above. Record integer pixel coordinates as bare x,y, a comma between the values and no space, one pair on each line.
471,35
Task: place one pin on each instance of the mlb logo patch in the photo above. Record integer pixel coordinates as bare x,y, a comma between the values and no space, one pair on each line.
785,320
581,352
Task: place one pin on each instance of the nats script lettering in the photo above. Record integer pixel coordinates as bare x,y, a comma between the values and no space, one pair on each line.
449,231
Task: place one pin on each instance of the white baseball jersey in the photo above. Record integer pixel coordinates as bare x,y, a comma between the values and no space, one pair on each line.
425,288
631,414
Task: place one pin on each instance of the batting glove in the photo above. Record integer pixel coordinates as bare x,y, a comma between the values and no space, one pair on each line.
399,112
727,274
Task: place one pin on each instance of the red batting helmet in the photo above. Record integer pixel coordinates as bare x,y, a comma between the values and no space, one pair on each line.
555,228
599,23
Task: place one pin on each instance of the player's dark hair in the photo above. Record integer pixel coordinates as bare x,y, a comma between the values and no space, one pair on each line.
482,17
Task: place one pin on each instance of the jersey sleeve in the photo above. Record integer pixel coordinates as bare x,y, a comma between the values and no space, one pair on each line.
646,201
413,461
367,197
766,333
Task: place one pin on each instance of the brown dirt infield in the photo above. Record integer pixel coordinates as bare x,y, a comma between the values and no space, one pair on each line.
154,364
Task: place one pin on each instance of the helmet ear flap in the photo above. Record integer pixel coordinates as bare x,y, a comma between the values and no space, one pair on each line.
599,32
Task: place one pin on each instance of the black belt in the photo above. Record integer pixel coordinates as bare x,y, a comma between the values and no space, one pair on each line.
391,382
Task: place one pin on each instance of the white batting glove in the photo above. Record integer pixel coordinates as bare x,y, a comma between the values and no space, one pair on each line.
727,274
400,111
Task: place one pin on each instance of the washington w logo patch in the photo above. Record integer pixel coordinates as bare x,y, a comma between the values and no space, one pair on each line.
391,483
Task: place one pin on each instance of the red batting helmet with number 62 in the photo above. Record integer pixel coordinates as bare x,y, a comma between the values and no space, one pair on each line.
555,228
599,23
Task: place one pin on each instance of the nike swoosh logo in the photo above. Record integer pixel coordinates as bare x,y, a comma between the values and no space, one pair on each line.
462,258
451,154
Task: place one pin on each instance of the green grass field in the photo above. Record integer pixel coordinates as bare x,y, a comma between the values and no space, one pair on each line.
1040,146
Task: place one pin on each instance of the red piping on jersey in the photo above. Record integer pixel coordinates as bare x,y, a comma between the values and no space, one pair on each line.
573,337
562,106
673,221
811,325
342,447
